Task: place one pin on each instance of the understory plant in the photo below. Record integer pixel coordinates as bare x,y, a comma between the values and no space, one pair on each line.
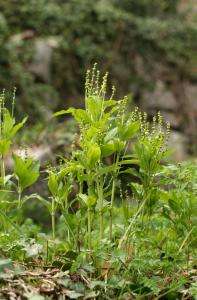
26,170
122,218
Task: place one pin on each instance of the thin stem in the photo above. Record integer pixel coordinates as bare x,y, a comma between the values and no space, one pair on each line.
53,217
125,236
112,200
19,216
2,171
19,197
47,252
89,229
111,208
100,199
185,240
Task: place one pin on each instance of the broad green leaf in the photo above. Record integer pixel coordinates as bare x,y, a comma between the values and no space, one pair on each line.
5,264
4,146
64,172
93,155
26,170
118,145
46,203
78,114
107,149
109,103
52,183
73,295
105,170
34,296
127,131
60,113
131,172
129,162
91,201
91,134
8,122
110,135
174,205
94,108
16,128
84,197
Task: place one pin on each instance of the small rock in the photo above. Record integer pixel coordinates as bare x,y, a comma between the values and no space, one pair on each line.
161,98
41,65
178,143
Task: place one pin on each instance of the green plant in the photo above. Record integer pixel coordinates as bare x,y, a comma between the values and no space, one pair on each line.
111,239
26,171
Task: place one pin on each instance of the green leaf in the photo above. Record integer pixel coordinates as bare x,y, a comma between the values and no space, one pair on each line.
129,162
16,128
26,170
105,170
91,201
91,295
94,108
84,198
34,296
73,295
60,113
4,146
119,145
93,155
107,149
174,205
8,122
109,103
46,203
110,135
53,184
131,172
78,114
129,130
5,264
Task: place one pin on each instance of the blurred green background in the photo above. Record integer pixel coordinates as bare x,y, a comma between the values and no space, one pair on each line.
148,46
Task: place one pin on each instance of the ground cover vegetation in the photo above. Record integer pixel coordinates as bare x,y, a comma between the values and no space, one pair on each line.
123,220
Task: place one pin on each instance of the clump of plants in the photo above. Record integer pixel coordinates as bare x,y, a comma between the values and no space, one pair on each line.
123,220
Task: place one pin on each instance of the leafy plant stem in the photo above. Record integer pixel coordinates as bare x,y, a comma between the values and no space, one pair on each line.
2,170
53,217
185,240
10,221
111,208
112,200
19,197
100,199
125,236
89,228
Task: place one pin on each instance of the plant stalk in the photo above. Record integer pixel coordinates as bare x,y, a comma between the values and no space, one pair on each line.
89,229
112,202
100,198
2,171
125,236
111,209
53,217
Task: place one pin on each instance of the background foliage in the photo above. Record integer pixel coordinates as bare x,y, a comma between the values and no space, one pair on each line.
113,33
